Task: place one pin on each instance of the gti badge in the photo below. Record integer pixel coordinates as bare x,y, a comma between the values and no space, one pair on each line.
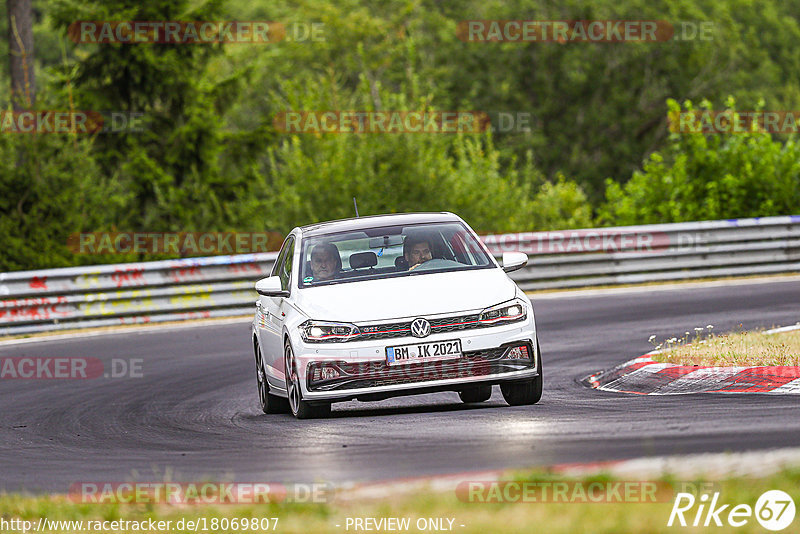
420,328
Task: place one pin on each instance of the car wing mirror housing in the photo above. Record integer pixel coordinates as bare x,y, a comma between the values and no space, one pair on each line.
271,287
513,261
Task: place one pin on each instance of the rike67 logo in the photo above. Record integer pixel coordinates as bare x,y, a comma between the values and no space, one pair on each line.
774,511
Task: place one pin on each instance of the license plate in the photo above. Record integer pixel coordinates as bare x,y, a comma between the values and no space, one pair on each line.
418,352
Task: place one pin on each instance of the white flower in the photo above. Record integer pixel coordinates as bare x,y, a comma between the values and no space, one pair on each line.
651,338
710,326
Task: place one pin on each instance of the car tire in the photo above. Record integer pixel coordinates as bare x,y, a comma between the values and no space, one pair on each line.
300,408
269,403
475,394
525,392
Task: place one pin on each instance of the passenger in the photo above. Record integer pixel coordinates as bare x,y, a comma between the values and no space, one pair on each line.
417,250
325,262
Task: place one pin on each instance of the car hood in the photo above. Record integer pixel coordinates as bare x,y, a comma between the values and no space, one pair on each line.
407,296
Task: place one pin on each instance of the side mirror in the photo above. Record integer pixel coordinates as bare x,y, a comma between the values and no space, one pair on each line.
513,261
271,287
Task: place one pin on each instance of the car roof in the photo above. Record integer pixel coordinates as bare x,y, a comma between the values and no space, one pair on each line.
375,221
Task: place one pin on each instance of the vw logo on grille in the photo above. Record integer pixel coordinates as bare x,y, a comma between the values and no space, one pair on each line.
420,328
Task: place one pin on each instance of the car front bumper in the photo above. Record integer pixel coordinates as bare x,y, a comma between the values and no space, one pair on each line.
365,375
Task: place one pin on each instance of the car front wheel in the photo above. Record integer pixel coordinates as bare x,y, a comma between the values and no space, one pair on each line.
300,408
525,392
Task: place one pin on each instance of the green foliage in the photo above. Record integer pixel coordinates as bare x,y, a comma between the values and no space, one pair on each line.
561,205
50,187
172,168
598,109
311,177
709,176
209,157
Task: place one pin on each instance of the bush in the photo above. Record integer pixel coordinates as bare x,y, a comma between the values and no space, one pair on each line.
50,187
311,177
709,176
561,205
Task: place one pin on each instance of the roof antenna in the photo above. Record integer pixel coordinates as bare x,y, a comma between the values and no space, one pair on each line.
355,204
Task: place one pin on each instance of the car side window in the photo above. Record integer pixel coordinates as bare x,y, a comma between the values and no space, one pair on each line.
285,267
279,260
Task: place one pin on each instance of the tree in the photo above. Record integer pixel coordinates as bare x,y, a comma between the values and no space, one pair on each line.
20,53
172,166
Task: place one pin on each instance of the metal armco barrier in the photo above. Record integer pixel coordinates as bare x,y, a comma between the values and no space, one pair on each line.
219,286
653,253
130,293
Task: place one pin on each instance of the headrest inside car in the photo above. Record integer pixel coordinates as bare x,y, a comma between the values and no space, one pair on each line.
363,259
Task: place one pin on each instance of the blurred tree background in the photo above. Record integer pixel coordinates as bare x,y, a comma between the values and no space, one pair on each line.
598,150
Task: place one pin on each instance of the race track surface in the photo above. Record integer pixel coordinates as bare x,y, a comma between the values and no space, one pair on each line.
194,415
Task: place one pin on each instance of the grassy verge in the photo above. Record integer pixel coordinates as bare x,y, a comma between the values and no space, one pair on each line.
737,349
551,517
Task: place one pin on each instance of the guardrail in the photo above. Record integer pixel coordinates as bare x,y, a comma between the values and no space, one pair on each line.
130,293
652,253
219,286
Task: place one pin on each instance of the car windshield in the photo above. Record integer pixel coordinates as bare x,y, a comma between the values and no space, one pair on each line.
390,251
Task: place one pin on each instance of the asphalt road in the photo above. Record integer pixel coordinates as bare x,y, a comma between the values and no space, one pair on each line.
194,414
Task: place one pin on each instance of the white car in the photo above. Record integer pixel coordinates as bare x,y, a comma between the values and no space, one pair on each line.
382,306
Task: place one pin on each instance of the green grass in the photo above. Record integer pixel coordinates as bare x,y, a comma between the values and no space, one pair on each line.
737,349
616,518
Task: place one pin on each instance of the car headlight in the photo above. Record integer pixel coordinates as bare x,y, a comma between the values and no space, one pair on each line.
323,331
507,312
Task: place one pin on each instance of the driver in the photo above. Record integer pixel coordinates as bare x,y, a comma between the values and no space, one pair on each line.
417,250
325,262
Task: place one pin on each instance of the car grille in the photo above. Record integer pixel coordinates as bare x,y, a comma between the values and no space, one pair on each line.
378,373
403,329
